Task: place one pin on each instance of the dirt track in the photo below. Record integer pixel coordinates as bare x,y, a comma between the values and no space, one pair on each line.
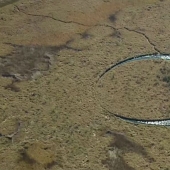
50,106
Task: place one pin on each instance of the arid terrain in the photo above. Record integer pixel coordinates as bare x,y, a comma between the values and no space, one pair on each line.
53,108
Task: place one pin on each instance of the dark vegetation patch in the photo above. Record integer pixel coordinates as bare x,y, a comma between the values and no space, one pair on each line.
166,79
29,62
85,35
164,74
116,34
26,158
53,163
6,2
115,161
25,61
13,87
122,142
119,145
112,18
40,155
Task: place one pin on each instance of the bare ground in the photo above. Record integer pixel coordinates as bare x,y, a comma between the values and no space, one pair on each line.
50,106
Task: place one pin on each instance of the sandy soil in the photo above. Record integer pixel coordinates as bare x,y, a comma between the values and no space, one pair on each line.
51,114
